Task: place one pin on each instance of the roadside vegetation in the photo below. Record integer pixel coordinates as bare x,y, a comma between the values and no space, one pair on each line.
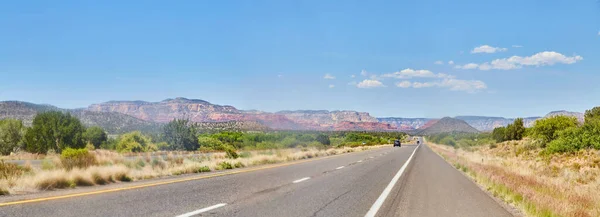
550,169
73,155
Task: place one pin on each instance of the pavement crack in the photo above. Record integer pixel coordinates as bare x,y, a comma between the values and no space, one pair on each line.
327,204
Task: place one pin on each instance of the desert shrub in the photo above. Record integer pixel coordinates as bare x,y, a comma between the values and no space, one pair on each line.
317,145
245,154
209,143
231,153
224,165
81,158
11,170
159,163
576,138
238,165
546,129
135,142
202,169
95,136
448,141
323,139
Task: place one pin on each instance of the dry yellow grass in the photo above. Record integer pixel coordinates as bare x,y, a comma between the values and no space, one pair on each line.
558,185
114,167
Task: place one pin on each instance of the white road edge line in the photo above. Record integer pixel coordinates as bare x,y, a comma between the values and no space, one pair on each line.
339,167
301,180
379,202
202,210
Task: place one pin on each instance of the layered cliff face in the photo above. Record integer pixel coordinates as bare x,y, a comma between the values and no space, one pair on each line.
167,110
203,111
405,123
322,119
360,126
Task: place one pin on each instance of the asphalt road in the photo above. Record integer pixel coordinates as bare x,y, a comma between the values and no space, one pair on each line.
345,185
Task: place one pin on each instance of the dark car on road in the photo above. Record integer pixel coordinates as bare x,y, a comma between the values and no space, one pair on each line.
397,143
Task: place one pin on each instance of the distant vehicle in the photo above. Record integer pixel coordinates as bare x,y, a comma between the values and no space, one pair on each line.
397,143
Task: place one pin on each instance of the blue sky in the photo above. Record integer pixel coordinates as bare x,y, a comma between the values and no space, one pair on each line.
510,58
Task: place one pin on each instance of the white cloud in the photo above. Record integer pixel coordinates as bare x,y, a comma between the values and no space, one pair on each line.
452,84
331,86
328,76
353,76
467,66
450,62
546,58
439,62
598,32
411,73
403,84
423,84
517,46
367,83
487,49
364,72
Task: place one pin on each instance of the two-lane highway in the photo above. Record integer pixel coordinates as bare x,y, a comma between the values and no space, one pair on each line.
345,185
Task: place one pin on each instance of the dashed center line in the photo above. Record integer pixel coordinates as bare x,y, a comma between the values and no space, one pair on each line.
339,167
301,180
359,161
202,210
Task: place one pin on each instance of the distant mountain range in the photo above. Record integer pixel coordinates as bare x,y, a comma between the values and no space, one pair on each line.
447,125
123,116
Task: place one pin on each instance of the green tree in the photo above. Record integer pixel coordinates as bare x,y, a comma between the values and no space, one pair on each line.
516,130
546,129
96,136
323,139
11,135
135,142
592,114
181,135
54,130
210,143
499,134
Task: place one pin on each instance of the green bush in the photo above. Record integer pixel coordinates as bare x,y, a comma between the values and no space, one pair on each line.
135,142
546,129
576,138
81,158
224,166
202,169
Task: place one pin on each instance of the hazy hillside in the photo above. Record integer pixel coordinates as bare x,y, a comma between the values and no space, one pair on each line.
578,115
447,125
405,123
112,122
203,111
483,123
